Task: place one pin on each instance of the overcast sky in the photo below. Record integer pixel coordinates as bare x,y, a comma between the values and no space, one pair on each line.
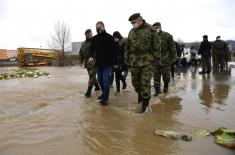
30,23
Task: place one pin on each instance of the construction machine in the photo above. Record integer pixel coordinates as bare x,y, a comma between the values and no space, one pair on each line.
36,56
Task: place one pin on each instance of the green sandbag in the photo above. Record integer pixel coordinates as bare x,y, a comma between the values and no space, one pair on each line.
173,135
225,137
202,132
22,73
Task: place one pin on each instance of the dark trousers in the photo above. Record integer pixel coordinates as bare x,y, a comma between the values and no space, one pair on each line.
119,77
103,75
173,70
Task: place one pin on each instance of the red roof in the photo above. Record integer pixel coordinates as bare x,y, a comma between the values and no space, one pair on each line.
3,54
7,54
11,54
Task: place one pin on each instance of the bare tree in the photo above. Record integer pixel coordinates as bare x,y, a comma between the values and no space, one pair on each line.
61,39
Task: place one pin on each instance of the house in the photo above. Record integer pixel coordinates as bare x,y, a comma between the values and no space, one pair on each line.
8,55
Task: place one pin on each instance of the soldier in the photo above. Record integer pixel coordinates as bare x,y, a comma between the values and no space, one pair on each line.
205,52
90,66
142,42
219,49
163,59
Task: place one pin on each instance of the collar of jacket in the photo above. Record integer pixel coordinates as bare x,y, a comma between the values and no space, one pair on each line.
102,33
144,24
88,40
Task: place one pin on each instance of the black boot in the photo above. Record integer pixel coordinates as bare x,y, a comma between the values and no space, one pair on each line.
118,88
157,91
165,89
118,84
97,87
139,98
124,85
145,105
88,92
100,97
202,72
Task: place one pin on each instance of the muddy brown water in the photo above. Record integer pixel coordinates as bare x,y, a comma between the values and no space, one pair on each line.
50,116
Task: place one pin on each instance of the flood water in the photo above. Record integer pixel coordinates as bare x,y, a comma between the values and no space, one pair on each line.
50,116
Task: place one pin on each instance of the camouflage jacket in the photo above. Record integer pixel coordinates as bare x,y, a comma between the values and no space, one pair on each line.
219,47
141,43
167,54
83,55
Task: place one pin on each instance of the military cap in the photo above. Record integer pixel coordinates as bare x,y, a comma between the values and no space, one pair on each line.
134,16
205,36
88,31
217,37
157,24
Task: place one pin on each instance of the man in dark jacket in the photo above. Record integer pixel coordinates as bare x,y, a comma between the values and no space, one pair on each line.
103,50
205,52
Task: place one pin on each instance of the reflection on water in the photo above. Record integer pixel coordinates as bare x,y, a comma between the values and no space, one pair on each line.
205,93
215,90
52,117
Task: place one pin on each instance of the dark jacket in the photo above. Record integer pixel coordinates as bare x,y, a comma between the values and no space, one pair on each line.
205,49
120,45
178,50
103,50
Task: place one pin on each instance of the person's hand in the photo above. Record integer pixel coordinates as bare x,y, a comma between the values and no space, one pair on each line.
90,59
115,66
173,61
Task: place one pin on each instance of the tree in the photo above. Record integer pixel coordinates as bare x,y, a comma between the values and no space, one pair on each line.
61,39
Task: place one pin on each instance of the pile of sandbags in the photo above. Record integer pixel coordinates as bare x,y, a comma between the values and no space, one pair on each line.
23,73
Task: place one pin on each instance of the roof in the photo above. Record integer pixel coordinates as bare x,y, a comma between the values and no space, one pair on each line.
7,54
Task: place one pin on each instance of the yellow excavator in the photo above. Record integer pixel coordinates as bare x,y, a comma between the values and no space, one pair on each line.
36,56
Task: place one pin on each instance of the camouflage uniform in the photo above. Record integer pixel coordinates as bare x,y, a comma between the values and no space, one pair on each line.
90,66
142,42
219,49
164,59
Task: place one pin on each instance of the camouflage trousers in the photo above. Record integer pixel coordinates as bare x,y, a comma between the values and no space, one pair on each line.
141,80
219,62
161,71
206,63
92,76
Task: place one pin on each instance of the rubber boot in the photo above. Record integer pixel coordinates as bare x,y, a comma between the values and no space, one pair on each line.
157,90
124,85
139,98
145,104
202,72
165,89
88,92
97,87
118,85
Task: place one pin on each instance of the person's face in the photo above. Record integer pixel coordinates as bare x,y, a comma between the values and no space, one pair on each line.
136,22
88,35
158,28
99,28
